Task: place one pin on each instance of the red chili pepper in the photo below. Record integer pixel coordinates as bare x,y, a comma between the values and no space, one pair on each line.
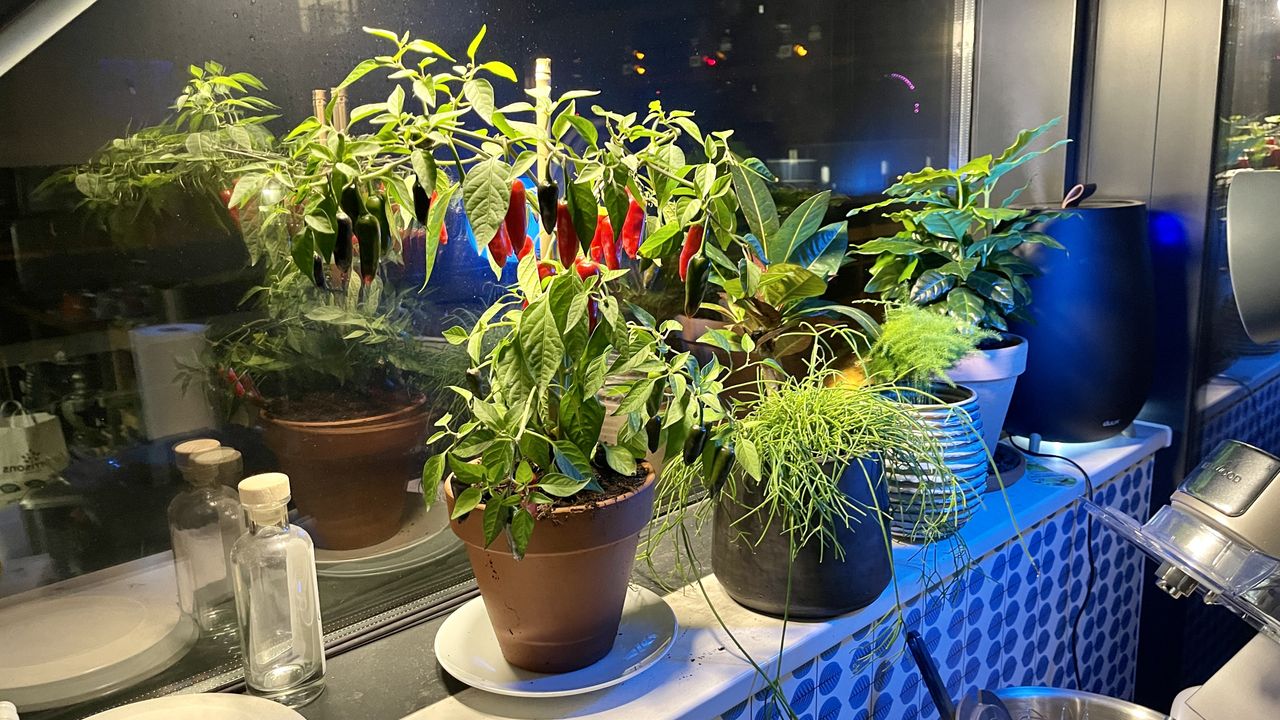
585,269
602,245
545,270
692,244
632,229
516,219
526,248
500,246
234,212
566,237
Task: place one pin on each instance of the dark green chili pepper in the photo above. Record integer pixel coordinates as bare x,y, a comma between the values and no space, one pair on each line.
473,381
693,444
317,271
720,468
350,202
548,195
695,285
421,204
342,245
369,233
653,429
377,207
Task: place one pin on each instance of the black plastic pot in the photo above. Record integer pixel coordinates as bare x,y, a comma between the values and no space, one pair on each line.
753,569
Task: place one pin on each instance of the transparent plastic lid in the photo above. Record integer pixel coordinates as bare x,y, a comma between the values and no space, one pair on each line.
1224,570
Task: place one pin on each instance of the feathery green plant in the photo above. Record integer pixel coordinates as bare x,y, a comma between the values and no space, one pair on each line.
916,346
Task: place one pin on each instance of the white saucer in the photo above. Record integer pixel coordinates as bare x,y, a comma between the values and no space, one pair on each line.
468,650
205,706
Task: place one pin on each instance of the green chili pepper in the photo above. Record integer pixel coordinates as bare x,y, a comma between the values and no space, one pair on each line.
695,285
377,207
548,195
350,202
317,271
653,429
369,233
720,468
421,203
342,245
694,443
473,381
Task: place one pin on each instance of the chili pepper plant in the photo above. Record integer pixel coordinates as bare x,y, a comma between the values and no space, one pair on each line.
533,440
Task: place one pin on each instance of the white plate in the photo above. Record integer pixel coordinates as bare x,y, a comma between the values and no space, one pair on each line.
468,650
206,706
69,644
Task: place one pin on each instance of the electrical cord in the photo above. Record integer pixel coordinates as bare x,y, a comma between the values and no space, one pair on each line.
1088,546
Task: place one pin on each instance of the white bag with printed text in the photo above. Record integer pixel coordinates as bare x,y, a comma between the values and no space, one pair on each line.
32,450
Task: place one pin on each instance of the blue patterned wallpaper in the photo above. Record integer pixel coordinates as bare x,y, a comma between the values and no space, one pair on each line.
1002,623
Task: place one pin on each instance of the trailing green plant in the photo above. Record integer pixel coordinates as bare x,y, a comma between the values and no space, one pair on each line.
916,347
533,439
956,252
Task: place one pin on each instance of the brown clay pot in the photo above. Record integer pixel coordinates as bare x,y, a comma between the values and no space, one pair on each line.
559,608
349,476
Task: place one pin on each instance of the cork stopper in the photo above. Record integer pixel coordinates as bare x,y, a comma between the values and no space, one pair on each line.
267,490
183,452
220,465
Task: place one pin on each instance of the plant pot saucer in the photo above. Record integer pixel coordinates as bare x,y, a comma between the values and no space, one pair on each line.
1011,464
468,650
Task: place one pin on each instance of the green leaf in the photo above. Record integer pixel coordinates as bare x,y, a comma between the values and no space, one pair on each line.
384,34
755,201
522,523
466,472
583,210
930,286
799,226
479,93
748,457
620,459
466,502
500,69
950,224
994,288
485,195
661,243
495,518
359,70
561,485
435,220
475,42
432,472
572,461
524,474
540,340
320,224
965,305
583,425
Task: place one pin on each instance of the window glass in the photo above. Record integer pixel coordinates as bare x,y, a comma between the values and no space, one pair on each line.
114,281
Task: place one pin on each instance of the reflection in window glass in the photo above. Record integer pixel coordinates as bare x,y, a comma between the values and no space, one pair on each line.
120,274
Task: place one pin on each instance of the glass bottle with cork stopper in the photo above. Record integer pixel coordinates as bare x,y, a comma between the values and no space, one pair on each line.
277,599
205,521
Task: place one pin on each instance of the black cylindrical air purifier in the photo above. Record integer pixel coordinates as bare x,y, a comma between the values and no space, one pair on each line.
1090,348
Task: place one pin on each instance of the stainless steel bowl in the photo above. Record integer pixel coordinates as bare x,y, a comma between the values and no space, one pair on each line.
1042,703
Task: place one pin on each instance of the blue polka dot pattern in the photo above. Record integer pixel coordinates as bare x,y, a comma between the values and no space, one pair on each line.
1009,623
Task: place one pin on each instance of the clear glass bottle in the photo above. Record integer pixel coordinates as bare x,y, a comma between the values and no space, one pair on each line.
204,523
277,600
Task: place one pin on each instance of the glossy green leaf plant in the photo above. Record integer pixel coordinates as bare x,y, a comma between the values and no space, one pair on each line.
956,251
536,399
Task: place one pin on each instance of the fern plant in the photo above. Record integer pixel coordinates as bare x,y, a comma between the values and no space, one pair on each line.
956,252
916,347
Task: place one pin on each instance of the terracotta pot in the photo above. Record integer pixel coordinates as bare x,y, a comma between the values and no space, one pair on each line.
349,476
558,608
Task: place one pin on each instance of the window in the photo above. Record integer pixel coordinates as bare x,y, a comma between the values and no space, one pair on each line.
108,307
